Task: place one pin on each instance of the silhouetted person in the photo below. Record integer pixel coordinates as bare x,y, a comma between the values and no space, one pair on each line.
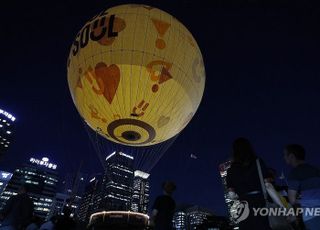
243,179
18,211
164,207
304,180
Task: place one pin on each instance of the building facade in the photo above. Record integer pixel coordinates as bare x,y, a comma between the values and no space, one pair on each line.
116,191
4,180
62,201
141,192
72,186
197,216
90,199
180,220
41,178
119,188
59,202
223,169
7,121
190,218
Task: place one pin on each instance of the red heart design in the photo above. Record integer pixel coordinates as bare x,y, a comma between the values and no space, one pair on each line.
108,79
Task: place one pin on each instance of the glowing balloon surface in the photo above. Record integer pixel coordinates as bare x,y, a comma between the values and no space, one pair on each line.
136,75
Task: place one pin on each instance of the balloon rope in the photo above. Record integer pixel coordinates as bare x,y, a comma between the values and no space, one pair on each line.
150,155
155,155
163,151
94,145
146,155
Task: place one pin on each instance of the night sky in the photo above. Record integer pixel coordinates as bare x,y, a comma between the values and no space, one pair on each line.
262,82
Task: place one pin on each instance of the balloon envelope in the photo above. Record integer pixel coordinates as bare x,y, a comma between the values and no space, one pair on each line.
136,75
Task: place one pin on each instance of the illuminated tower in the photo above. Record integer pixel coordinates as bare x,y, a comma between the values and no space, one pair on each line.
115,198
180,220
140,196
90,198
4,180
223,169
41,178
196,216
116,192
191,217
6,130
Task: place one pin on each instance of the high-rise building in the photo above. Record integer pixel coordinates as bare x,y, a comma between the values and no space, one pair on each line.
41,178
180,220
141,190
116,196
223,169
4,180
197,216
6,130
90,199
190,217
59,202
116,192
72,186
62,200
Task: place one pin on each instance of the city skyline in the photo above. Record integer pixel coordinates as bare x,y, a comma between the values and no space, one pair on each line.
262,83
118,188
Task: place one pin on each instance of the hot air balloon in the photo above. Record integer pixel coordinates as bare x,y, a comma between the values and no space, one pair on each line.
136,75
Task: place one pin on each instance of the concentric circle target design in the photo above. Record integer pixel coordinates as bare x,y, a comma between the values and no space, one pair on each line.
132,137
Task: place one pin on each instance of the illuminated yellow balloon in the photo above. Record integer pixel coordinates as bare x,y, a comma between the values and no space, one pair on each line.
136,75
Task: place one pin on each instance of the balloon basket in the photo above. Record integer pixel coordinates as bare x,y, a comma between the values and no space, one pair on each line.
119,220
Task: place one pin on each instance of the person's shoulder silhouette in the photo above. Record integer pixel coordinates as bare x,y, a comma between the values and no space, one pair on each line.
164,207
18,211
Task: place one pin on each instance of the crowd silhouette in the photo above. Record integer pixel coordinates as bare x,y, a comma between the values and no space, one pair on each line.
248,180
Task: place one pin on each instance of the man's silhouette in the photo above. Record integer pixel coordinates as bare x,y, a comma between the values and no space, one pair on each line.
18,211
164,207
